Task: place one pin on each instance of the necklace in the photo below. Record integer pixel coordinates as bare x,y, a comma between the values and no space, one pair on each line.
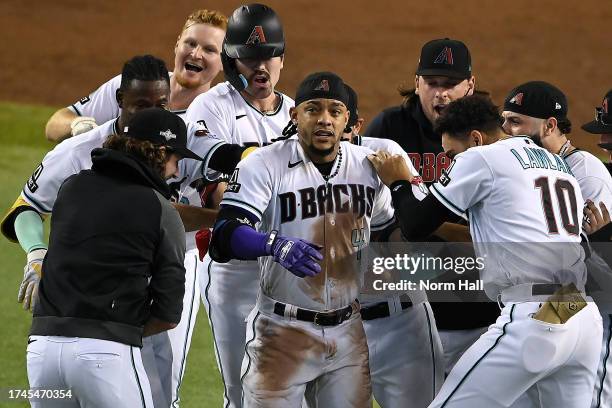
326,178
566,146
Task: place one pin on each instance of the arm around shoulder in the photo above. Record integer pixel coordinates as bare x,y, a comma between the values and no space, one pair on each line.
58,125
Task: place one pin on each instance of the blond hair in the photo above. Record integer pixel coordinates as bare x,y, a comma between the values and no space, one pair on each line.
212,17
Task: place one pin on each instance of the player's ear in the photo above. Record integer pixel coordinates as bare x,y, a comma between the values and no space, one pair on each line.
293,115
119,97
416,84
476,138
551,125
358,125
471,85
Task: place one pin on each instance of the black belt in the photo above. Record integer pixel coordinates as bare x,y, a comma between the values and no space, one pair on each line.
539,289
331,318
379,310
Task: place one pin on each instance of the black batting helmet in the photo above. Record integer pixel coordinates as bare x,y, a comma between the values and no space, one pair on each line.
253,31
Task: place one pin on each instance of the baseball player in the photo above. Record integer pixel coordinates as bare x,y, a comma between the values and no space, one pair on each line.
602,125
315,203
547,336
412,377
114,272
444,74
249,111
539,110
196,63
145,83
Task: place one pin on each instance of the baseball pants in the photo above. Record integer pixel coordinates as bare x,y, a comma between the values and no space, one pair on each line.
165,354
229,294
602,396
455,343
283,356
519,354
100,373
406,358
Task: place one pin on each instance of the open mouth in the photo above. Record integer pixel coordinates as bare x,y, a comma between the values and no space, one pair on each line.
439,108
261,79
192,67
324,133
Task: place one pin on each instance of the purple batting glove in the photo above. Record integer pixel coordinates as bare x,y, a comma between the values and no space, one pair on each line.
298,256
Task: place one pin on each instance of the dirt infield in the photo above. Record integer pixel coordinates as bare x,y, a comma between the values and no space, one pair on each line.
58,51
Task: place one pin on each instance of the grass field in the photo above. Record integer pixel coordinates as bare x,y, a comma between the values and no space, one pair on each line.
23,146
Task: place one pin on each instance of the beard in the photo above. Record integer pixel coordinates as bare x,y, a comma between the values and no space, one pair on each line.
315,151
536,139
185,83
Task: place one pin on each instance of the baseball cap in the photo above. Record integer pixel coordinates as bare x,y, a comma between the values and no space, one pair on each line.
352,106
324,85
160,127
445,57
603,118
537,99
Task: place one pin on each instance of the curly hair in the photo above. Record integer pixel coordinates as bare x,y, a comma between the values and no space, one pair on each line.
474,112
212,17
143,150
143,68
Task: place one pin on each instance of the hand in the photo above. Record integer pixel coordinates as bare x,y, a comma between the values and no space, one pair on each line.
32,272
390,168
298,256
594,218
82,124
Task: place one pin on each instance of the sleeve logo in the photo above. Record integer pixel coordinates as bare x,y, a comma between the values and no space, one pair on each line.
445,176
233,186
32,185
84,100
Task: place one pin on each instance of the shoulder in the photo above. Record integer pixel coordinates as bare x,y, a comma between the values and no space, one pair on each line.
85,142
376,144
287,102
591,165
218,95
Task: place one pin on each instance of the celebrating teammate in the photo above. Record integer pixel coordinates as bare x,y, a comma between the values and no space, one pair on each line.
196,64
314,214
444,74
550,345
114,272
412,377
249,111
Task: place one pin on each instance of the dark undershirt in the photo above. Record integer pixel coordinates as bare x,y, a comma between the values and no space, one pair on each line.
325,168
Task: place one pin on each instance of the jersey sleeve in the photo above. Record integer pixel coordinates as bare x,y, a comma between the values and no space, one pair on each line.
40,191
101,104
383,214
211,115
250,186
597,190
203,143
466,182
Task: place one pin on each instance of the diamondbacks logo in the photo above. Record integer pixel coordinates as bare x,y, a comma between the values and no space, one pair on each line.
257,36
445,57
167,134
557,105
323,86
517,99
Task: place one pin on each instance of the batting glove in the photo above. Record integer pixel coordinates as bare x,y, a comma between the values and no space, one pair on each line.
82,124
32,272
298,256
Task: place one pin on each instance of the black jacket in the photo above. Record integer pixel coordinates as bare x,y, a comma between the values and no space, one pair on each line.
409,127
115,256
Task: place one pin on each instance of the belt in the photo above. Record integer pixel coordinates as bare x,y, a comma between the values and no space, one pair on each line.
380,310
527,292
329,318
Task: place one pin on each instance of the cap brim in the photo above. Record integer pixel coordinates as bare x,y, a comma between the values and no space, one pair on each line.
186,153
443,72
596,127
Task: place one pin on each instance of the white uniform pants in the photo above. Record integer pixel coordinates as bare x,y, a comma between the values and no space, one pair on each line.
287,360
229,294
519,352
406,360
456,342
100,373
602,397
165,354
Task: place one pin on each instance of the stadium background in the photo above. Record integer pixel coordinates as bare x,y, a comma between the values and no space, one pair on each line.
53,53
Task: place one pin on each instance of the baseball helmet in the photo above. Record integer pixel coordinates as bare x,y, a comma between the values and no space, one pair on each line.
253,31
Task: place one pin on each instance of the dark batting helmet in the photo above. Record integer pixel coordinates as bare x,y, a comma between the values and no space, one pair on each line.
254,31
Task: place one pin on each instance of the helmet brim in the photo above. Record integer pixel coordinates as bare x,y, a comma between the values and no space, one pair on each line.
260,51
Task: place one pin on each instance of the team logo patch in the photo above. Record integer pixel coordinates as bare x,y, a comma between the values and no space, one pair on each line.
323,86
233,186
517,99
257,36
84,100
167,134
445,57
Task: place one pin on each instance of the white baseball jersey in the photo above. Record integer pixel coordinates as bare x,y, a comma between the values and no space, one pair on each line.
224,112
74,155
593,177
102,104
281,186
516,192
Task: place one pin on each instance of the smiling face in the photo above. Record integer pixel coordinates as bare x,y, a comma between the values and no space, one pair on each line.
262,75
197,58
320,124
436,92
